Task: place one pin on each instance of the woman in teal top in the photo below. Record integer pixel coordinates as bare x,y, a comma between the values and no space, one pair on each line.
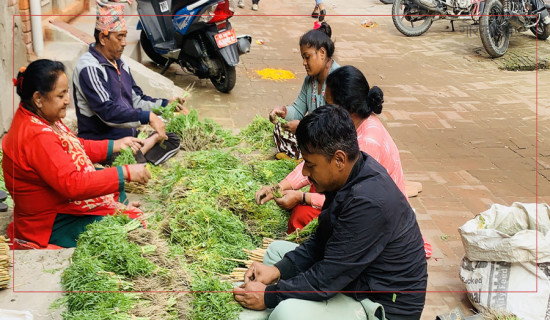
316,49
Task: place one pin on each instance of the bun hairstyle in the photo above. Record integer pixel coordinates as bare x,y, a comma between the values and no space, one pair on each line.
319,38
40,76
350,90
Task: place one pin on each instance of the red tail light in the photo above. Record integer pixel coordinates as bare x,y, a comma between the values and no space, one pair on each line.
221,11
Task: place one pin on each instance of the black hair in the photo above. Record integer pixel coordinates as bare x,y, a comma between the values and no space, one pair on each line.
319,38
96,35
40,76
350,89
326,130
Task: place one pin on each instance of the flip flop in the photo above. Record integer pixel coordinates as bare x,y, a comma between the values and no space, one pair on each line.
322,15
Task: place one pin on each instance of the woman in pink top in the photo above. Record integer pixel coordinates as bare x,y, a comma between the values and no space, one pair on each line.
348,88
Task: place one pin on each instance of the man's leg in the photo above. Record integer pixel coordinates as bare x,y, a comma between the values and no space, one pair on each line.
338,307
277,250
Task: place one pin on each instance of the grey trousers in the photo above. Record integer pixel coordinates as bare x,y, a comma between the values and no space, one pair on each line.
337,307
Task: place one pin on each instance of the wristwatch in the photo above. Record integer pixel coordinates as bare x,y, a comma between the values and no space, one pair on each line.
304,199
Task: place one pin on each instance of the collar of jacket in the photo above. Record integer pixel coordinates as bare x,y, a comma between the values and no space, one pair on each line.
101,58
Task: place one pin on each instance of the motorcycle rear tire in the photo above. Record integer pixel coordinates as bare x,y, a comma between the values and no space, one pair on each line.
495,40
226,78
400,11
541,31
149,51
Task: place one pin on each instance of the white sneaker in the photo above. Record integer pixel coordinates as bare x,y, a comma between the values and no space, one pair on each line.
255,7
241,4
546,20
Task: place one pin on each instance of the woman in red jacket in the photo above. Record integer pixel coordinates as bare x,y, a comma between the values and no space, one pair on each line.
49,172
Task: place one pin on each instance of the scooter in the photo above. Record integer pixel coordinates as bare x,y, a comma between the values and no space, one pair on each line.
196,34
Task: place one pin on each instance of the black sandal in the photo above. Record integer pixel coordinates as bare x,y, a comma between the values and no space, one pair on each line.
322,15
315,14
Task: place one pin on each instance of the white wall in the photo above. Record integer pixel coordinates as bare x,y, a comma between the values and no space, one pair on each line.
7,62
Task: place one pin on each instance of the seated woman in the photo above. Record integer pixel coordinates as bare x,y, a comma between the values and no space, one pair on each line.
316,49
348,88
49,172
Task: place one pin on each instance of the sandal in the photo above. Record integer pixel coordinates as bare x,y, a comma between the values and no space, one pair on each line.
315,13
322,15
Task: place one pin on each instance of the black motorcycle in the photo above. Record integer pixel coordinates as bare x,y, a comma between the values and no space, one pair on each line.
500,18
196,34
414,17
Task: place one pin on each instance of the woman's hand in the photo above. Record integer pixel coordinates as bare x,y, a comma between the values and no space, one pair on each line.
290,199
277,111
136,173
291,126
264,195
128,142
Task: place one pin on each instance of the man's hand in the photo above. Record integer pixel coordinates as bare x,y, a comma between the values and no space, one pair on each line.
250,295
179,107
138,173
128,142
277,111
290,199
291,126
259,272
158,125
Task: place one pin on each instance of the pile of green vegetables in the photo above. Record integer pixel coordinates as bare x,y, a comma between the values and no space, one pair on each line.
8,200
202,203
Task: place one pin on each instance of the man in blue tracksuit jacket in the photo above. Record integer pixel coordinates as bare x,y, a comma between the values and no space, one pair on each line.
109,104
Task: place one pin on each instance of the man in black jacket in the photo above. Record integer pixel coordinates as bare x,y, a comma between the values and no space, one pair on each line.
367,248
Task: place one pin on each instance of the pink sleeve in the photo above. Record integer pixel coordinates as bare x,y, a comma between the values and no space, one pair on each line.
296,179
317,200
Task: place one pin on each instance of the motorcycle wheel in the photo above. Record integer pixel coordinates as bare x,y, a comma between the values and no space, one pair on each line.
541,31
494,29
149,51
405,13
226,78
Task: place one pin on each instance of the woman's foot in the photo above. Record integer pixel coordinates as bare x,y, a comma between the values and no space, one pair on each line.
322,15
315,13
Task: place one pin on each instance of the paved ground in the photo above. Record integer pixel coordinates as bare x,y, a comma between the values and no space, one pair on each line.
465,129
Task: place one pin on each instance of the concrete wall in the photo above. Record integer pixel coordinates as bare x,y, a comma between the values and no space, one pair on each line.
10,35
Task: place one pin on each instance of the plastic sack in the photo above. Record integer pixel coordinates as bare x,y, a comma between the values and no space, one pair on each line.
500,268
